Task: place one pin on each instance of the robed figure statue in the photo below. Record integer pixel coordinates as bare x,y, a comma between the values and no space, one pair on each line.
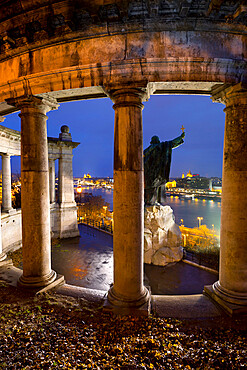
157,163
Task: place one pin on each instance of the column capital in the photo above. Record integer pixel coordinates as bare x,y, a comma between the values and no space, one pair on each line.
42,104
52,160
230,94
127,95
6,155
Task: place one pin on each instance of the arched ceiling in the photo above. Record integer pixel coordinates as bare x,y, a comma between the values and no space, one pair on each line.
77,49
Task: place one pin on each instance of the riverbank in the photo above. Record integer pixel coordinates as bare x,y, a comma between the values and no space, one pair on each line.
186,211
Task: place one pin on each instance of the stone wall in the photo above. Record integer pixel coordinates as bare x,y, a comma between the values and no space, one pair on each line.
12,232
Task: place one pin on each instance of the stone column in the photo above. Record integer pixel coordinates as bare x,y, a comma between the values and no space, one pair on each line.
52,180
35,191
2,255
232,284
128,201
6,183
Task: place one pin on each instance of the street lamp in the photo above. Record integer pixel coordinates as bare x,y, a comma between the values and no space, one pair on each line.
199,221
182,222
79,191
103,216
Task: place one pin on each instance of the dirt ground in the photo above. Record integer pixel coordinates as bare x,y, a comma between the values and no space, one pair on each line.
51,331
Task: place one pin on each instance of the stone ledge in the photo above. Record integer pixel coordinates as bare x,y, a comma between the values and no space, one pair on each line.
230,308
185,307
91,295
55,284
12,274
202,267
6,262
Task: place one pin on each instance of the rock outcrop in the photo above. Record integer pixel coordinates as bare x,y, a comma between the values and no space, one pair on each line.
162,236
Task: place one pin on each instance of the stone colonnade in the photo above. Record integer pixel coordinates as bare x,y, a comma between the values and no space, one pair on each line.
128,289
60,149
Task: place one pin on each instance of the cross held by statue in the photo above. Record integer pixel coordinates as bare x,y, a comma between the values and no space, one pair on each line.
182,128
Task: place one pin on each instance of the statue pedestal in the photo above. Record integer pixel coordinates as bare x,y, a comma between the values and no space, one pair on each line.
162,236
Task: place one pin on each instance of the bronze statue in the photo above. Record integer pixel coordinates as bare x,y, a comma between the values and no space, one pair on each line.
157,163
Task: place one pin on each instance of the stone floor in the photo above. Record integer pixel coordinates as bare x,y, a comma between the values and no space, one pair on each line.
87,261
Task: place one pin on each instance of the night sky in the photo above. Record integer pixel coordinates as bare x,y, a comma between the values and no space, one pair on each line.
91,123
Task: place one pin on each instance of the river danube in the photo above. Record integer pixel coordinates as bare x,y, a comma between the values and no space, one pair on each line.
186,210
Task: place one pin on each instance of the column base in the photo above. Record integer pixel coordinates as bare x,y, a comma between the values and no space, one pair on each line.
34,282
232,303
53,205
123,302
143,310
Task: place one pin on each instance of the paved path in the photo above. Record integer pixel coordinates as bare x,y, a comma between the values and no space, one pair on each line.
87,261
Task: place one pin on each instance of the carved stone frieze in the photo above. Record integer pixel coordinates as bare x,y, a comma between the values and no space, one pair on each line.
109,13
40,23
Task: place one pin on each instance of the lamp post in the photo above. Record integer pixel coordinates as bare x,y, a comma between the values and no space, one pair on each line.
79,191
104,216
199,221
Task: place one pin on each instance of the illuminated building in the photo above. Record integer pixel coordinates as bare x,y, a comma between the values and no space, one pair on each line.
171,184
189,174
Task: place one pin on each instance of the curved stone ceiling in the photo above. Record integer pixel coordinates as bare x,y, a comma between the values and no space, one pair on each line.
80,49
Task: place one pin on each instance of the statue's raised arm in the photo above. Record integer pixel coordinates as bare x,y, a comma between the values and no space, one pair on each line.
178,141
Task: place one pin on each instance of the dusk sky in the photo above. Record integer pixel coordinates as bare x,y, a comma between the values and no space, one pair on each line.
91,123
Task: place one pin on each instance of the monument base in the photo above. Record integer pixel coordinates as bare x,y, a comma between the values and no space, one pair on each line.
162,236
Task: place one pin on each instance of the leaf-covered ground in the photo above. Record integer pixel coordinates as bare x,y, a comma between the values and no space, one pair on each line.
56,332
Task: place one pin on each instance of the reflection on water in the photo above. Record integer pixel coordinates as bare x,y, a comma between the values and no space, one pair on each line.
107,194
189,210
87,261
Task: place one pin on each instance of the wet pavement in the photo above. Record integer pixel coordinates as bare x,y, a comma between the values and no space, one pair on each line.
87,261
178,278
